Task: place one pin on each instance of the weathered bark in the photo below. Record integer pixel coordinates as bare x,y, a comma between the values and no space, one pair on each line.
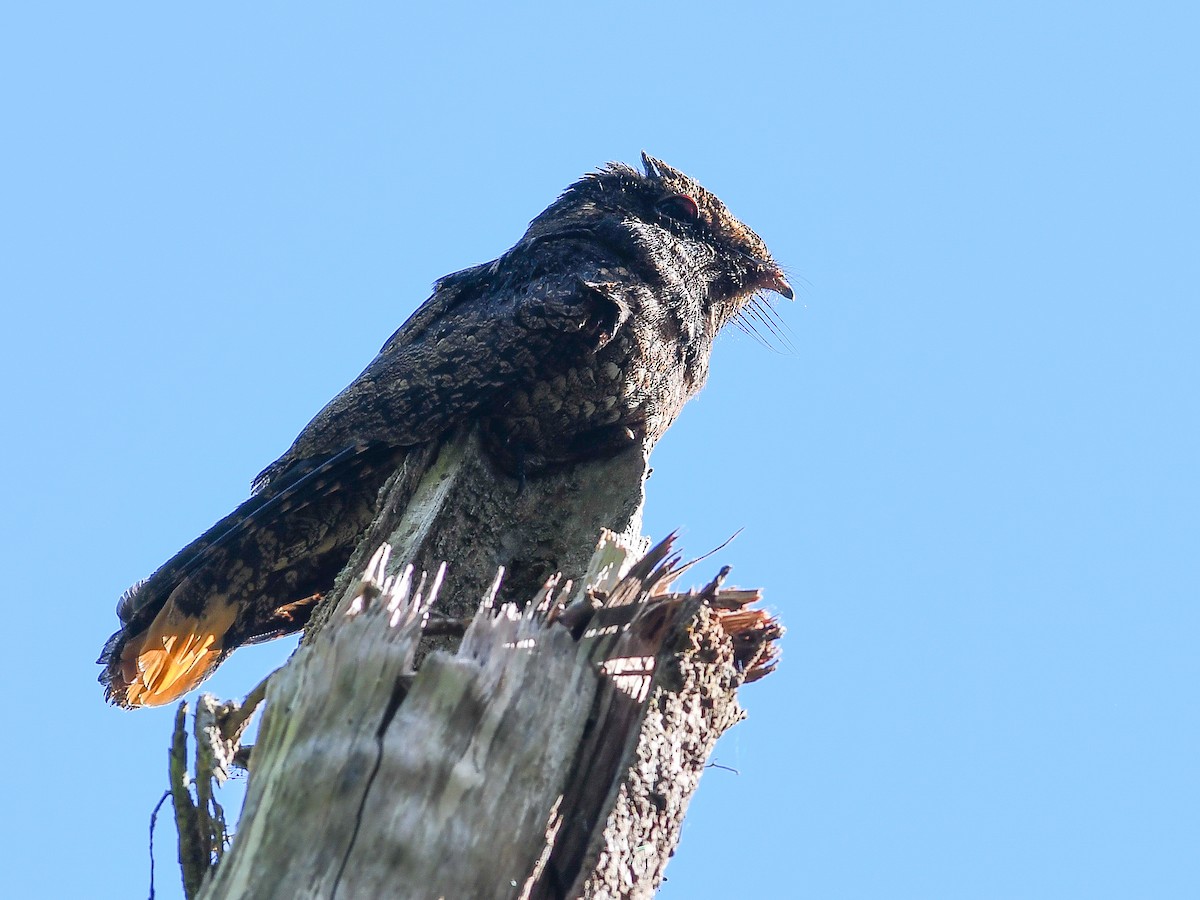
553,755
451,504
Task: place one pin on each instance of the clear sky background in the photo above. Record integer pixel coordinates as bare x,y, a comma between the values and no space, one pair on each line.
971,492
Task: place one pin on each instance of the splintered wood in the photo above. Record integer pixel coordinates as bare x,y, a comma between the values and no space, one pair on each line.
552,755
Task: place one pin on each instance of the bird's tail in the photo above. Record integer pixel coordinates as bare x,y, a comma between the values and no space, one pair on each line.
254,575
166,660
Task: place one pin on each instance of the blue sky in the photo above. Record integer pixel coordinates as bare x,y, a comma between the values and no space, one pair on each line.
971,492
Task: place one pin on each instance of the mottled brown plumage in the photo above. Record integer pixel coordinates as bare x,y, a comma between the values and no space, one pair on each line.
586,337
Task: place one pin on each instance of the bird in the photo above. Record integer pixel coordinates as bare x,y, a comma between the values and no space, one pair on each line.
585,338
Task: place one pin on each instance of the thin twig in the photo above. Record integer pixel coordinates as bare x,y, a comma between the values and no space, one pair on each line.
153,820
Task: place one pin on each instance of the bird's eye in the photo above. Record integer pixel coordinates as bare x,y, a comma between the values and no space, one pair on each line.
679,206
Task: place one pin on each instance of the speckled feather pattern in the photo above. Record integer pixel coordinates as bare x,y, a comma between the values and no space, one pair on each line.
586,337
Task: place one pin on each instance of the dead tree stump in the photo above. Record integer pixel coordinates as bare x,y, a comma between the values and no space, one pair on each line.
549,753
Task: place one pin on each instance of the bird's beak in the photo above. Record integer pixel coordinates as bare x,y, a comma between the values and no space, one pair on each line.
773,280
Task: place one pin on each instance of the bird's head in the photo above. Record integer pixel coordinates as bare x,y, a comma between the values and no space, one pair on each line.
664,224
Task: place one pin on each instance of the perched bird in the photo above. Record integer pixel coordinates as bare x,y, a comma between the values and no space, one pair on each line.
586,337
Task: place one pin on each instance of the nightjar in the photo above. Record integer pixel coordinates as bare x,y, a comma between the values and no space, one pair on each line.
585,338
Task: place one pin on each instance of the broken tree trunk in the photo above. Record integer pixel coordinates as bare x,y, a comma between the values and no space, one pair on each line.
551,755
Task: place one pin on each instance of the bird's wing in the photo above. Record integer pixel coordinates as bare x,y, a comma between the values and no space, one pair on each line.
482,329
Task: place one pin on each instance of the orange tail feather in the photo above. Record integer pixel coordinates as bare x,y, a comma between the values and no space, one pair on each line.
172,656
